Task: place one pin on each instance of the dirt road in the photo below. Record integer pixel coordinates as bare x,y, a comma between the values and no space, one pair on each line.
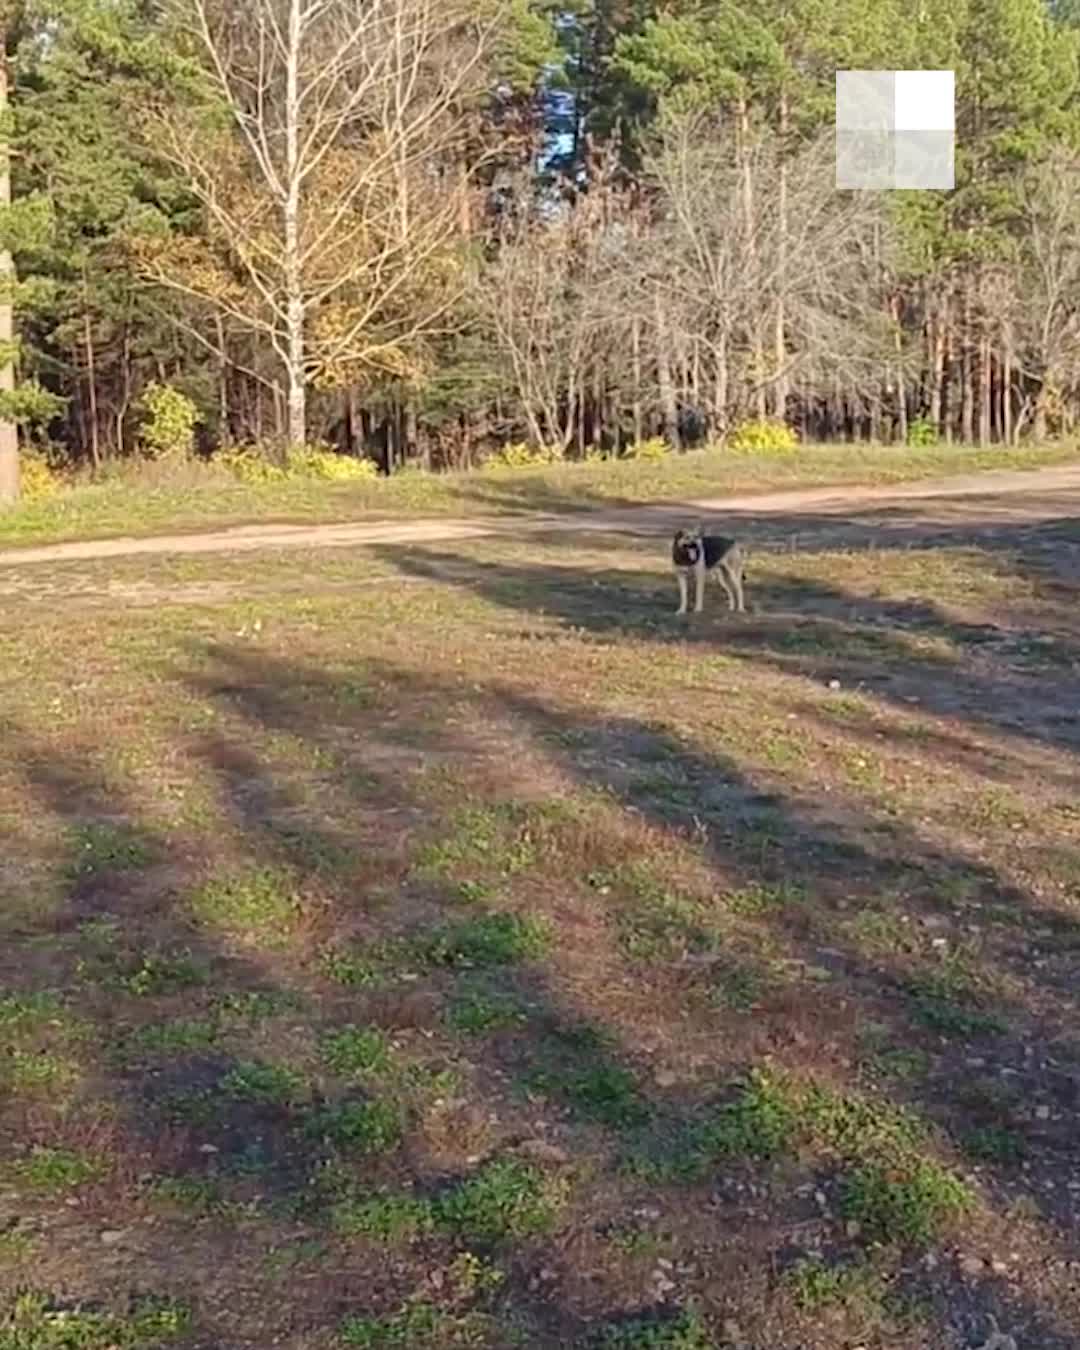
992,497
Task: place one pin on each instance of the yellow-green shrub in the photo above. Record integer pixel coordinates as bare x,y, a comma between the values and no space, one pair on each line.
763,436
522,455
251,465
317,462
37,480
655,448
169,422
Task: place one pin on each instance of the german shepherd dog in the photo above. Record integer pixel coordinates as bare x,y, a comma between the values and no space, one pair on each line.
694,551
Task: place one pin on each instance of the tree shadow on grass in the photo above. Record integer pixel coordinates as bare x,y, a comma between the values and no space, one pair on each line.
770,841
906,652
348,793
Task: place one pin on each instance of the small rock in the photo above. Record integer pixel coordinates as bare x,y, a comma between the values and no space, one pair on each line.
665,1078
111,1236
209,1148
731,1329
853,1228
1042,1113
834,684
821,1198
664,1264
542,1151
972,1266
998,1266
547,1275
662,1284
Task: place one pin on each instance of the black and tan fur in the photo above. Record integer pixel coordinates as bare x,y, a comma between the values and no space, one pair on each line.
693,552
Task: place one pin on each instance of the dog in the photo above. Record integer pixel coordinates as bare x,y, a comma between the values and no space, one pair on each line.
694,551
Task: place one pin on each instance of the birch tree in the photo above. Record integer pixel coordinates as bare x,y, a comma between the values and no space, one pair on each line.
321,142
9,439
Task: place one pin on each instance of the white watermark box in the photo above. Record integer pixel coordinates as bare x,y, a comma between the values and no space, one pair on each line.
895,129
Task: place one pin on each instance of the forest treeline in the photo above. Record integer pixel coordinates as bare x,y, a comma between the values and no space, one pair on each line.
419,229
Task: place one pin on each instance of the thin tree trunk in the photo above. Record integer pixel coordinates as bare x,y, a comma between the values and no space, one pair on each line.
224,429
667,387
967,367
901,384
412,430
635,343
125,383
985,367
9,435
91,383
780,395
720,395
1006,386
294,294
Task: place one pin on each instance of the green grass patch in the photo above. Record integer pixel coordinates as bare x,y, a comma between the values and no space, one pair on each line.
34,1322
772,1115
653,921
267,1084
477,1010
908,1202
98,848
57,1169
180,1037
29,1012
156,973
252,1006
357,1050
604,1092
371,965
489,940
756,900
36,1072
817,1286
678,1330
189,1194
504,1199
494,838
417,1324
261,905
374,1126
947,1001
393,1218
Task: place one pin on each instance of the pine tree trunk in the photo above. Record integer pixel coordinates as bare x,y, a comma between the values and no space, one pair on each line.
9,436
91,385
937,326
901,387
985,368
967,405
1006,387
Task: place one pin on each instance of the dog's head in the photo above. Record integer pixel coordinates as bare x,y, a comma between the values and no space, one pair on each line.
686,549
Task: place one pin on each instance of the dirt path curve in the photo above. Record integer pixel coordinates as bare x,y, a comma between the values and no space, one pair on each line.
1002,496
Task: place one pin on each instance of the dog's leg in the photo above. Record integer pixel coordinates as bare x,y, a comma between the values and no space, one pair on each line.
732,574
699,583
684,592
723,576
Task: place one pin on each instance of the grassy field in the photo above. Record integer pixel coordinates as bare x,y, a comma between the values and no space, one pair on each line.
160,500
446,946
